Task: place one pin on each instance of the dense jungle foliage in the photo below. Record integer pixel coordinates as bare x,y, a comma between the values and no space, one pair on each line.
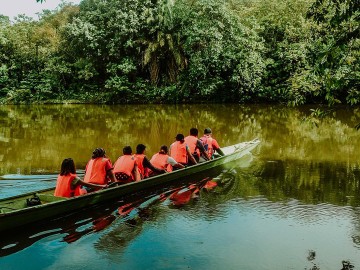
176,51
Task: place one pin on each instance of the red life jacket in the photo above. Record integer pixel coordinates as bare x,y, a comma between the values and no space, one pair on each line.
207,142
124,166
178,152
95,171
160,160
63,186
139,158
191,142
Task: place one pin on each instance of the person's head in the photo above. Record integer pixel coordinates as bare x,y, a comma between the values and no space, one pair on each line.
98,152
140,148
194,132
67,166
207,131
127,150
163,149
180,138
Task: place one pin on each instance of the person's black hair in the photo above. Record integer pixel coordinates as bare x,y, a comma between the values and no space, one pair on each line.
207,131
127,150
164,149
98,152
67,166
140,148
180,137
194,131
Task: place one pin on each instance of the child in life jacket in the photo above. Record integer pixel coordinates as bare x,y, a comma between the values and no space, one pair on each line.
68,183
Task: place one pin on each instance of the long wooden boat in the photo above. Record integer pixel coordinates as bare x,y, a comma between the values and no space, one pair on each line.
14,211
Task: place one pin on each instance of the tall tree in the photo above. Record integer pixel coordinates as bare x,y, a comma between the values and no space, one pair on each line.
336,51
224,55
163,54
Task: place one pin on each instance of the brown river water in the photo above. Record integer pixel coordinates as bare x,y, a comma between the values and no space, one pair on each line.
293,204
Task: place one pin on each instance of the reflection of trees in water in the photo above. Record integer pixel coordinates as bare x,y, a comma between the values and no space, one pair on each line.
309,182
356,229
37,138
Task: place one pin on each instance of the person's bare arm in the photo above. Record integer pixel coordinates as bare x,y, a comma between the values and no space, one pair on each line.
90,185
219,151
147,164
136,173
178,165
203,152
174,163
191,157
111,176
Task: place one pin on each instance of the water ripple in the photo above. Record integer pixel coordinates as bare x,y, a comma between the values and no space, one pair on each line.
298,211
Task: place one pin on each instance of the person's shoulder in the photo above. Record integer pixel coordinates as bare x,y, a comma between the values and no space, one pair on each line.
107,160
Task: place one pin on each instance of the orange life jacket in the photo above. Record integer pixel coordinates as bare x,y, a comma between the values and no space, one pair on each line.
207,142
139,158
178,152
191,142
63,186
125,165
96,172
159,160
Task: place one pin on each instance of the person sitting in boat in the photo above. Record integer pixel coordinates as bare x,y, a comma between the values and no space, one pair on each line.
125,167
143,163
99,169
68,184
163,161
180,151
196,146
210,144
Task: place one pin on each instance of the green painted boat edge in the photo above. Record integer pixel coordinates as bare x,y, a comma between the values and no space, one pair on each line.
24,216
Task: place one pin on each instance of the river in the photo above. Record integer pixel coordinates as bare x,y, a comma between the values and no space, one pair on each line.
293,204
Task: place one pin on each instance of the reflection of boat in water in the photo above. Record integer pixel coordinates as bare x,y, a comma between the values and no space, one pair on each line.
69,229
14,211
125,219
132,223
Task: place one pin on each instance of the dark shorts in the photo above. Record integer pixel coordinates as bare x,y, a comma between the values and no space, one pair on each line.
123,177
